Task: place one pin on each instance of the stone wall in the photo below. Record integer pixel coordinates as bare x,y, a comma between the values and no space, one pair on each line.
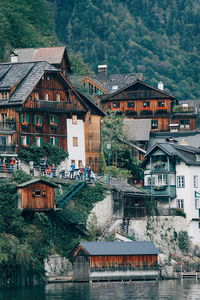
56,265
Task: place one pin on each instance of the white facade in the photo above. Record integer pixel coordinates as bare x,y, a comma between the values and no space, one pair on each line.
75,142
189,194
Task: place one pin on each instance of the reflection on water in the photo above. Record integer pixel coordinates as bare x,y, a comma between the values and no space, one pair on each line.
141,290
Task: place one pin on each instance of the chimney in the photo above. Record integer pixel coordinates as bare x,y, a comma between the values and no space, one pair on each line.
13,57
183,142
102,70
161,85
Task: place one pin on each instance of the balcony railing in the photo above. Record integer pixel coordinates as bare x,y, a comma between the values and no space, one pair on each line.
8,149
184,110
7,126
44,105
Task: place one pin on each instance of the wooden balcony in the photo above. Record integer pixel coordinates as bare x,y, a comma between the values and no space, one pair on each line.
7,126
55,106
188,110
139,94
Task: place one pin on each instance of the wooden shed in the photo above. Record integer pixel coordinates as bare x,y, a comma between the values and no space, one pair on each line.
96,261
36,195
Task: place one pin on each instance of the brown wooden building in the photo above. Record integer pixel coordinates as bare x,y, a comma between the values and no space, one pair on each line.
39,105
36,195
142,101
95,261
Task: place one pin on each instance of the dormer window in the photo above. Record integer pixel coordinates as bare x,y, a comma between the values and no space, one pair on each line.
4,95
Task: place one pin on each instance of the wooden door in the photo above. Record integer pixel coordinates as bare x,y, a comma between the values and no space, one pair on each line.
81,269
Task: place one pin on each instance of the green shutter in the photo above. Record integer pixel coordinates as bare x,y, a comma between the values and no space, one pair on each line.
27,118
41,142
21,118
56,119
49,119
21,140
35,119
28,140
41,120
56,142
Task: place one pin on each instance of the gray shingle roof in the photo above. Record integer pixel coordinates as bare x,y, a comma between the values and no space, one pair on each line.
120,248
52,55
184,153
125,188
23,75
35,181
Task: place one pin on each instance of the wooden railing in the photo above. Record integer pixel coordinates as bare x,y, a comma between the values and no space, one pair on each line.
51,106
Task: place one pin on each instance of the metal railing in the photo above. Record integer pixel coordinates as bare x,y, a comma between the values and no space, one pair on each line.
7,126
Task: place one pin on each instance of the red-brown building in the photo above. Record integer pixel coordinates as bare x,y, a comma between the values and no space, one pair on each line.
95,261
36,195
39,105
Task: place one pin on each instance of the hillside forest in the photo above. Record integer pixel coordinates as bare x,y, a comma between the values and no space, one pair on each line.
158,38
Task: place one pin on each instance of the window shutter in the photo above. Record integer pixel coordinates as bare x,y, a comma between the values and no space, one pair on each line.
41,120
21,140
35,119
56,119
21,118
27,118
56,142
49,119
28,140
41,142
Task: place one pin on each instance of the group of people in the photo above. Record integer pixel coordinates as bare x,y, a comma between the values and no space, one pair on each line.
9,165
81,173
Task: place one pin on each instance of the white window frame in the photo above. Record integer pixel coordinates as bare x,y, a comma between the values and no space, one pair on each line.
180,203
53,139
195,181
180,181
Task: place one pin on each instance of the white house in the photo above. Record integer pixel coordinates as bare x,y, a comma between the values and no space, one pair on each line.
172,176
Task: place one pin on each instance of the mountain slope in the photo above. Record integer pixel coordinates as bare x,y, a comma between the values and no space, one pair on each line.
159,38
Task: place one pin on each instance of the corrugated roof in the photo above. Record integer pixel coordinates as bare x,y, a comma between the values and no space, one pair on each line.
52,55
120,248
137,130
35,181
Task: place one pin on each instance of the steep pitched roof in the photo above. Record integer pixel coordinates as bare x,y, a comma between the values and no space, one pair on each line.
23,76
184,153
106,82
120,248
52,55
35,181
138,81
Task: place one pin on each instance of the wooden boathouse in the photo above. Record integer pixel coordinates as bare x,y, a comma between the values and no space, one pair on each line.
106,261
36,195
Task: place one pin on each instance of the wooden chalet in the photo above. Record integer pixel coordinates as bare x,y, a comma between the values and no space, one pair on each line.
56,56
39,105
96,261
142,101
36,195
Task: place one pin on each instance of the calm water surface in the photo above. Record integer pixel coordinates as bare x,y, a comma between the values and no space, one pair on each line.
143,290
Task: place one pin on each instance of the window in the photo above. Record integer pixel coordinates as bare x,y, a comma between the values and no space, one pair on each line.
46,96
154,124
75,141
53,120
199,225
195,180
38,120
48,78
162,179
80,163
180,203
53,141
36,96
180,181
24,119
39,141
57,97
185,124
161,103
196,203
74,119
130,104
3,117
4,95
198,157
146,104
25,141
116,105
38,193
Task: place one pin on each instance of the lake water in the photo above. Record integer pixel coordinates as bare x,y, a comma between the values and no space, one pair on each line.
143,290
